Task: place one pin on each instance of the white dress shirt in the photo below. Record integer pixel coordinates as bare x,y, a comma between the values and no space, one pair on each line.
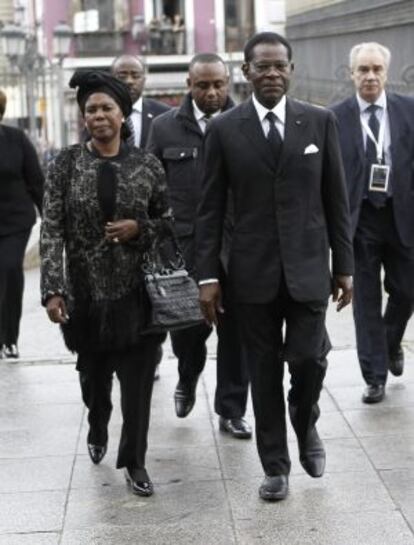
200,117
280,112
381,112
136,118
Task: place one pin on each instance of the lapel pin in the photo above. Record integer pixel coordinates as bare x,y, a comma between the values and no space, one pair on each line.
150,115
298,122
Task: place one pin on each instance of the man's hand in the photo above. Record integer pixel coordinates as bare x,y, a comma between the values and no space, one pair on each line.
343,284
56,309
210,302
121,230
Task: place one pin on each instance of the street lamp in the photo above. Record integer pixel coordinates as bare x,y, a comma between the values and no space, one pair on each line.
21,51
62,38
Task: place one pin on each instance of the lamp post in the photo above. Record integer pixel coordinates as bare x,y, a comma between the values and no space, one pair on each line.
62,38
21,50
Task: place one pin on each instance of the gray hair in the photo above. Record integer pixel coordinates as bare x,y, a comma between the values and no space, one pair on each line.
369,46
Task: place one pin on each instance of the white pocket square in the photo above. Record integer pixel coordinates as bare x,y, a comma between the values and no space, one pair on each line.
311,149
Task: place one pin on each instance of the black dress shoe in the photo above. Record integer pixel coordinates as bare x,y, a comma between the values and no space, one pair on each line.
184,398
312,455
237,427
11,351
396,362
97,452
139,481
274,488
373,393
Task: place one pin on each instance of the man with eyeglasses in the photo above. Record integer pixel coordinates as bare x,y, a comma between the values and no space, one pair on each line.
376,130
177,139
281,160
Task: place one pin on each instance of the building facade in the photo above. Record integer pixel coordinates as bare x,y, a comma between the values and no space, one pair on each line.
167,33
323,32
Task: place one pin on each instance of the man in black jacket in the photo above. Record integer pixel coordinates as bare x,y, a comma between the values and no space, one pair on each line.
131,70
176,138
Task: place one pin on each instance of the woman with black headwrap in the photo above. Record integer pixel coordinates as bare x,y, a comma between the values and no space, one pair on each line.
104,204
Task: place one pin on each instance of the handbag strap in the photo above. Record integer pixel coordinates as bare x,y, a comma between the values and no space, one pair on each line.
152,259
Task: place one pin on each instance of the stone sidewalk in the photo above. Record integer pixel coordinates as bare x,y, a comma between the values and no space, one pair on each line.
206,483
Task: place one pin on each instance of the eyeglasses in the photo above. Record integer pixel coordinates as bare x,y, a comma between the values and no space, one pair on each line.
266,67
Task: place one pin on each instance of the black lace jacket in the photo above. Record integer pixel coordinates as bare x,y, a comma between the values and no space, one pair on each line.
100,281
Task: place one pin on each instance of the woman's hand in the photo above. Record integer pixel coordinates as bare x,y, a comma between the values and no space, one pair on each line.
56,309
121,230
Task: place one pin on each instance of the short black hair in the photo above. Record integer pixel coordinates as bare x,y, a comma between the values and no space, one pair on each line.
140,60
265,38
205,58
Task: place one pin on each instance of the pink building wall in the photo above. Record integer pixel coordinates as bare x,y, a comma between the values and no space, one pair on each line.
204,24
53,13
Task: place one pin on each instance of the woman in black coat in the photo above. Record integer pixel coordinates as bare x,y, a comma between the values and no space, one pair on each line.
21,187
104,204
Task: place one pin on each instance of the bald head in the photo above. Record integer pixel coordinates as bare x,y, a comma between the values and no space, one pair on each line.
131,70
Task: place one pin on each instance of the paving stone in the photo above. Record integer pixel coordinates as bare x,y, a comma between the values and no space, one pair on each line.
342,455
37,538
32,512
329,528
398,394
194,503
165,465
35,474
390,452
350,492
381,421
179,533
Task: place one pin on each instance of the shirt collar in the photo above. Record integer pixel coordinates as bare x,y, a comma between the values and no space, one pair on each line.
198,114
279,110
137,106
381,102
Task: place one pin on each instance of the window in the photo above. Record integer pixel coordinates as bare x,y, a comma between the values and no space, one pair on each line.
239,23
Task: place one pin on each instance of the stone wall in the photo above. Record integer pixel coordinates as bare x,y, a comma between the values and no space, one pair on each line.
322,37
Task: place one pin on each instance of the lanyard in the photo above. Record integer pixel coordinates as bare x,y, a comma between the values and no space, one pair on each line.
379,145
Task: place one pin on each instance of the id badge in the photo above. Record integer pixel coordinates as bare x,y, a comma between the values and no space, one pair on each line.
378,180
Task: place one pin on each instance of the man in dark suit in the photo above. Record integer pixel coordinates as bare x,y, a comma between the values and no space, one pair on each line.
131,70
176,138
281,160
376,132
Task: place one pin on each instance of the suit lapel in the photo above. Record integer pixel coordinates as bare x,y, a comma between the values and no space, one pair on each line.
355,135
147,117
251,127
295,131
398,127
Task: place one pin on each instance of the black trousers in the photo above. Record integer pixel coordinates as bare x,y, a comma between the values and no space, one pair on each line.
377,247
12,250
189,346
304,345
135,370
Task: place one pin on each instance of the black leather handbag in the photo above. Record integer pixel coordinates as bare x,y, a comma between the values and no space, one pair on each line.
172,295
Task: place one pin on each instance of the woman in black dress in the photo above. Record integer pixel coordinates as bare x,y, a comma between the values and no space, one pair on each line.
21,189
104,203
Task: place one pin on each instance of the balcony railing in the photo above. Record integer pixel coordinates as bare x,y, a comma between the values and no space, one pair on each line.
102,43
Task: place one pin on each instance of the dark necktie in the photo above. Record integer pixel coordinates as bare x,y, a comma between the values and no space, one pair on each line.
273,137
131,138
206,118
376,198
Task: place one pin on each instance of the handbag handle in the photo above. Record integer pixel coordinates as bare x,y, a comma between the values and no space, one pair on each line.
152,259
